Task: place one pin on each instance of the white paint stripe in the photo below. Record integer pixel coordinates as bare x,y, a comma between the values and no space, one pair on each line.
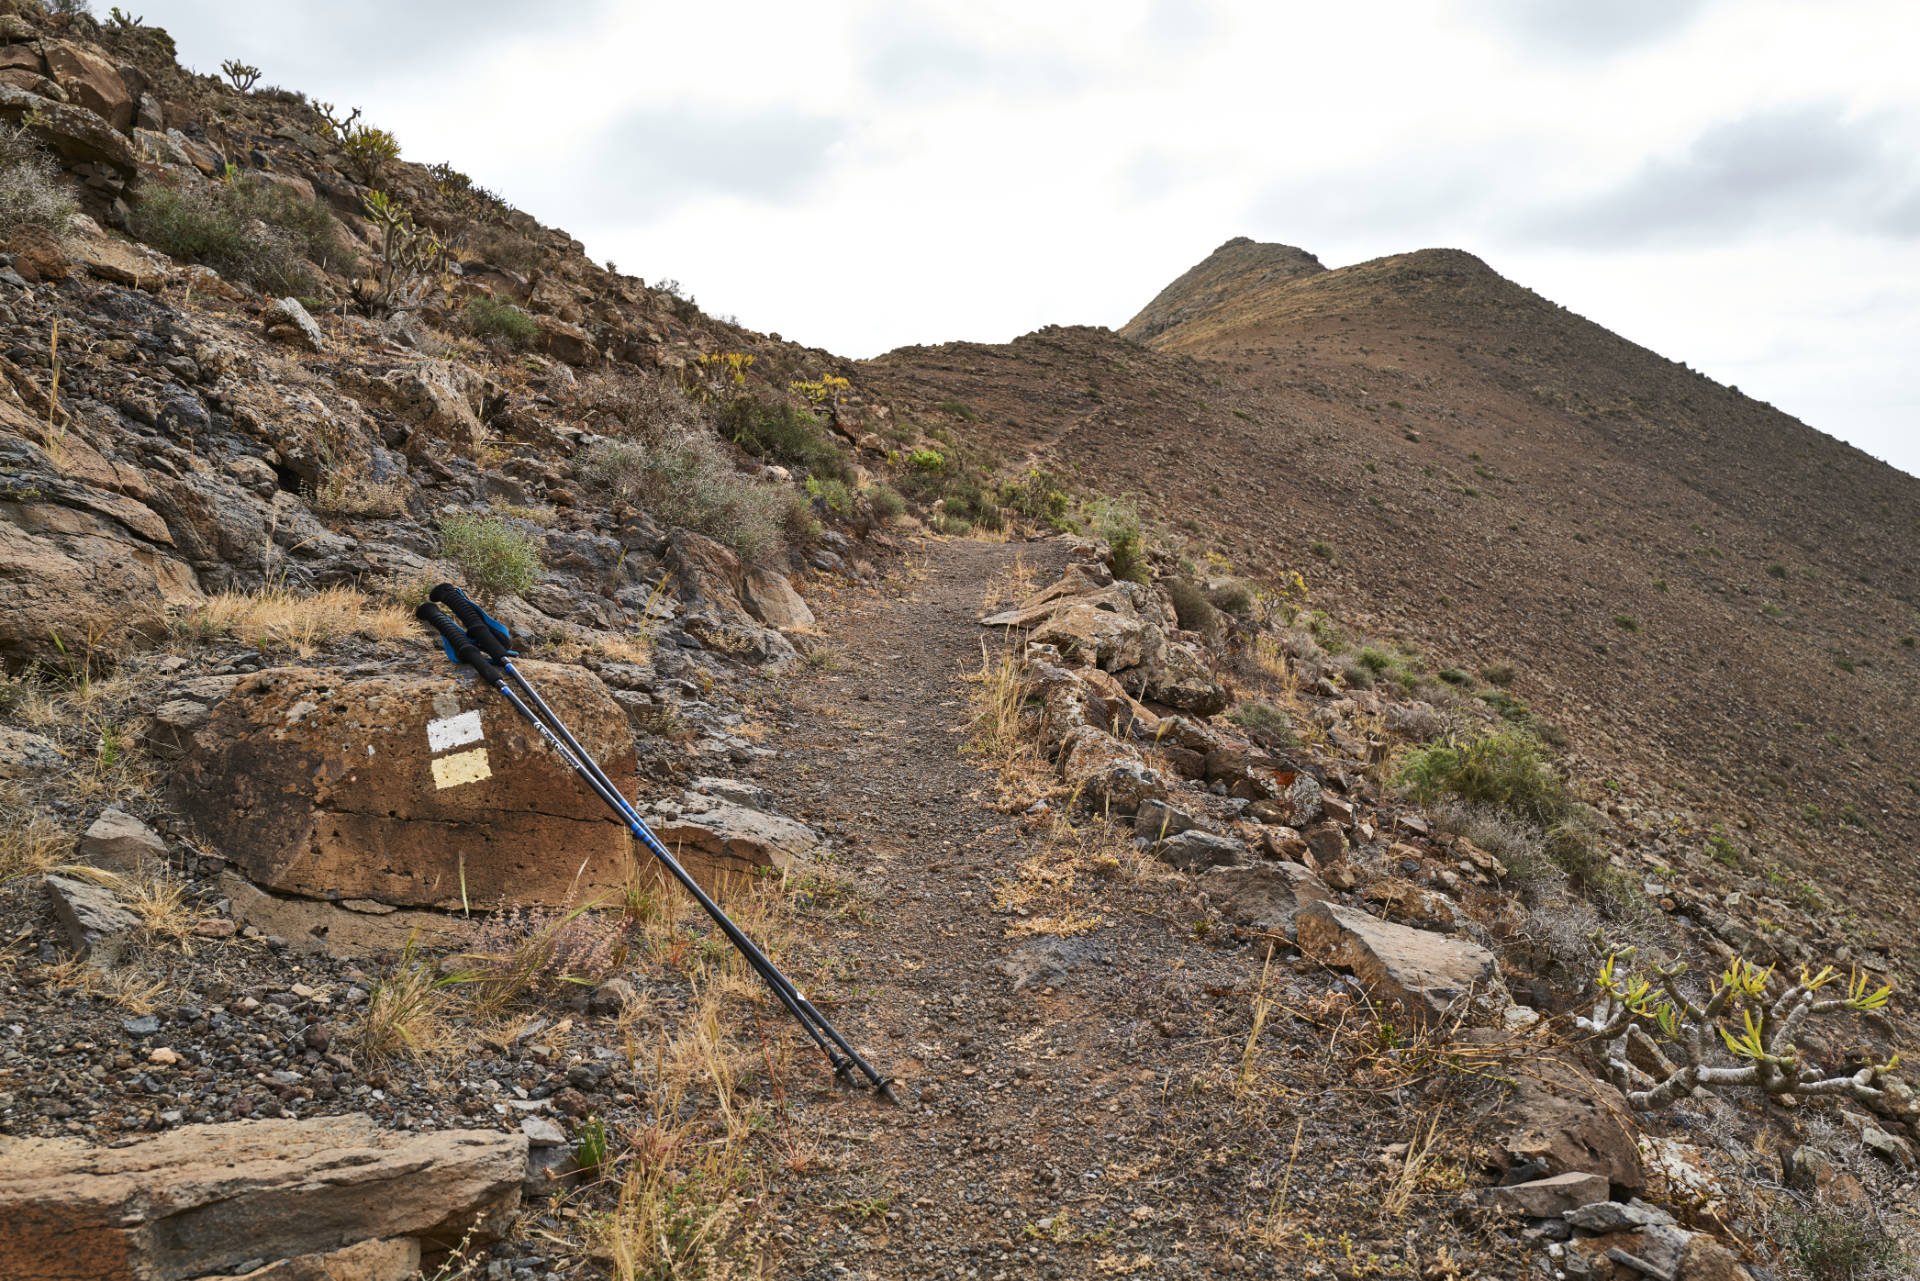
461,768
454,731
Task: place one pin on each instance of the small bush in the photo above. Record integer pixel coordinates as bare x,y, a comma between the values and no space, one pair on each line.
1234,598
1324,550
495,320
687,479
1374,660
1038,496
496,556
968,500
1116,523
927,460
1191,606
887,505
31,194
785,433
959,409
1454,676
1626,622
211,223
834,495
1776,571
1500,675
643,407
1266,723
1505,769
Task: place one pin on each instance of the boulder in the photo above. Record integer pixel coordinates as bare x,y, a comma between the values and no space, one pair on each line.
1088,634
708,579
1402,900
1267,897
727,840
288,322
1182,679
120,842
98,925
769,597
39,255
1545,1198
564,342
79,135
1107,774
25,755
203,1199
415,789
1157,820
90,81
1427,976
1197,851
1568,1120
99,254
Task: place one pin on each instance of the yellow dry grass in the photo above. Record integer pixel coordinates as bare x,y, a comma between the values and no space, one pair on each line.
303,622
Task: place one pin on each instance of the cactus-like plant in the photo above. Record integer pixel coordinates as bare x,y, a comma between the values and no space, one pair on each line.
411,257
1677,1035
243,76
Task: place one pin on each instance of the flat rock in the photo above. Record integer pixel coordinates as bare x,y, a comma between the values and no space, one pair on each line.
79,135
1616,1216
1546,1198
739,791
98,925
120,842
203,1199
350,929
1267,896
416,789
1196,851
1157,820
1426,975
726,840
24,755
392,1260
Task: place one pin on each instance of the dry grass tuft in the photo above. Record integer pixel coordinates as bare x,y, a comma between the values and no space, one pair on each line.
999,696
131,990
304,622
30,842
407,1014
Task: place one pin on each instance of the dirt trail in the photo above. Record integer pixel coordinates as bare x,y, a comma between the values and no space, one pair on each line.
1027,1112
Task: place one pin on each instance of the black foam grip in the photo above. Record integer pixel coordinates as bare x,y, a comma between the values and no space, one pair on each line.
465,650
472,619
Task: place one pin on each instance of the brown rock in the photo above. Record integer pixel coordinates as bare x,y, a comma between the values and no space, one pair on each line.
1286,844
1426,975
99,254
202,1199
729,840
98,925
1403,900
39,255
1572,1121
1106,773
90,81
1707,1260
311,925
1268,897
414,789
1088,634
120,842
1547,1198
76,133
769,597
565,342
1185,762
392,1260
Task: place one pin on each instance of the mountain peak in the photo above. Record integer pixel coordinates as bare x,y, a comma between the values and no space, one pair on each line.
1240,264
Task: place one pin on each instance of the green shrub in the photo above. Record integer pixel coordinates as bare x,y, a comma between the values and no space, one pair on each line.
1320,548
784,433
927,460
1191,606
1266,723
1832,1246
834,495
496,320
968,499
31,194
1500,674
1116,523
1776,571
887,505
959,409
1038,496
685,478
1357,676
1454,676
1234,598
212,223
1374,660
496,555
1626,623
1505,769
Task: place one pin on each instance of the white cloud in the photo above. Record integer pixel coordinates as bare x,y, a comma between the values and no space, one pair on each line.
1725,182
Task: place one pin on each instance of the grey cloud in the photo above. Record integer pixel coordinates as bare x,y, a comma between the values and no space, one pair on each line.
1588,28
658,158
1807,165
902,58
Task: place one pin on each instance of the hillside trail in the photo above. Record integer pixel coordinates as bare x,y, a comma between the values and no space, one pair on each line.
1028,1114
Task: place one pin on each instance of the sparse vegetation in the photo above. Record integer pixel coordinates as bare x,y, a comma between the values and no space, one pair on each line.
497,557
686,478
219,224
782,433
1505,769
32,193
1191,606
497,321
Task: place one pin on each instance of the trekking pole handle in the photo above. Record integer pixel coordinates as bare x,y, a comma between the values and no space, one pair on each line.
483,631
458,645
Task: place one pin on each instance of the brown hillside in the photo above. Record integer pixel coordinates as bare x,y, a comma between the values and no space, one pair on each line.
1710,596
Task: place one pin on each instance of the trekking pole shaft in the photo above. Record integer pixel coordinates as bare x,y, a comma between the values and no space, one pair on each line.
747,948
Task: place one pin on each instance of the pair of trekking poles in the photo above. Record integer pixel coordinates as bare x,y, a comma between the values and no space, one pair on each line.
482,644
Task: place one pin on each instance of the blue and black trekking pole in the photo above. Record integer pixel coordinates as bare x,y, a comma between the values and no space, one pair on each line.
484,646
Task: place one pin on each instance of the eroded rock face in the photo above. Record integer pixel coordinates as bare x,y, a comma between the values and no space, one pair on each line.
415,790
1570,1121
724,840
203,1199
1269,897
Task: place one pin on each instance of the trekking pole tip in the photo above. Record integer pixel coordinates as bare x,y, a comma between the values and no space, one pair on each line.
885,1090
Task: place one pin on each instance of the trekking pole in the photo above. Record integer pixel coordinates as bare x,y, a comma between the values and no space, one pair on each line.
476,648
491,637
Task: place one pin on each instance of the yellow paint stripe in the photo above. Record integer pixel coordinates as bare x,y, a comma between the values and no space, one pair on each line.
461,768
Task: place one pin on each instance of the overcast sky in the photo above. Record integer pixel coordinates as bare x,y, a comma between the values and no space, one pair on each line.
1734,183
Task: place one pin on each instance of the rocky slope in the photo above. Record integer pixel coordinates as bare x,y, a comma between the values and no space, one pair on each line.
1151,867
